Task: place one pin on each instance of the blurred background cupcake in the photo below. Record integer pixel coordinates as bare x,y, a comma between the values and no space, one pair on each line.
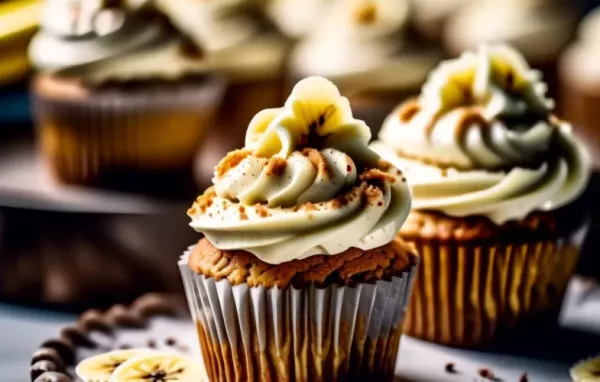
580,83
430,16
296,18
368,50
539,29
122,99
18,23
496,179
243,45
579,76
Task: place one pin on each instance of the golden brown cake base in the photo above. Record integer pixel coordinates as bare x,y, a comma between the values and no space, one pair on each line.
477,280
347,268
127,134
323,318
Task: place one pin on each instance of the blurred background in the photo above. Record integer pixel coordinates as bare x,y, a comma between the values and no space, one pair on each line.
113,113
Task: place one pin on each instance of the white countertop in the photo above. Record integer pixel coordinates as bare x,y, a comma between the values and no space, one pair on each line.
23,329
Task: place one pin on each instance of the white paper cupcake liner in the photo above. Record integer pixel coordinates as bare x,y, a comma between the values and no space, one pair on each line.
333,333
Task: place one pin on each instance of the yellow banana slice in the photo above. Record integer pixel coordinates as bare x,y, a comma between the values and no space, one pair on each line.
99,368
587,370
160,367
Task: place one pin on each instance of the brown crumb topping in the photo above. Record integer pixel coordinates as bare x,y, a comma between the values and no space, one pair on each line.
366,12
275,166
343,200
310,207
377,176
231,160
384,165
346,268
203,202
433,225
318,161
261,210
408,110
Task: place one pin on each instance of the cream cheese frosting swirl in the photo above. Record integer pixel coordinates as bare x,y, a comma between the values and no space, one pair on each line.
305,183
482,140
101,40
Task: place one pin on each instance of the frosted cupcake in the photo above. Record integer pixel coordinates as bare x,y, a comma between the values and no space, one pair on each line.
242,45
365,48
122,98
495,176
300,275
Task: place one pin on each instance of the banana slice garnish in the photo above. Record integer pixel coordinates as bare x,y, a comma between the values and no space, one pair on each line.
99,368
159,367
587,370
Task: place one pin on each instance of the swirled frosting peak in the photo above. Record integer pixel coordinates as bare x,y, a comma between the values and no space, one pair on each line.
100,40
496,78
305,183
481,139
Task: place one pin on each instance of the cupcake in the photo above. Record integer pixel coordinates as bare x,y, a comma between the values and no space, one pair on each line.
300,275
242,45
122,99
365,47
539,29
495,177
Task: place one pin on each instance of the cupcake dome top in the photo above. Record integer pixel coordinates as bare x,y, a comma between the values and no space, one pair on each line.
481,139
305,183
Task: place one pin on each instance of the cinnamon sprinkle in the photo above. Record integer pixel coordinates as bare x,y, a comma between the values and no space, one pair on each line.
261,210
231,160
203,202
275,166
309,207
408,110
377,175
318,161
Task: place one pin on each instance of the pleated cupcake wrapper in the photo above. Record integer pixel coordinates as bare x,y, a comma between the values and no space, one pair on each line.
465,295
154,130
312,334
